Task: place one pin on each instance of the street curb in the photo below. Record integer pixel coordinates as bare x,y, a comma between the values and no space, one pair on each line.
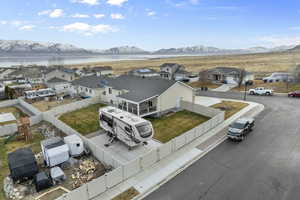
255,111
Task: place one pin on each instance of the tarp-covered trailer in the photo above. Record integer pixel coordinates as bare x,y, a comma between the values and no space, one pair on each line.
55,151
22,164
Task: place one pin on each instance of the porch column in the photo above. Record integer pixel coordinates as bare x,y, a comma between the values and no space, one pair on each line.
138,109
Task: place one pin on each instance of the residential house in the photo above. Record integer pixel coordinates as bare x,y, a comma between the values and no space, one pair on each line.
174,71
142,96
60,85
102,70
59,72
88,86
32,75
229,75
143,72
98,70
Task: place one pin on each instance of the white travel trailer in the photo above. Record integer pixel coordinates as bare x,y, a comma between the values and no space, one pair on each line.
33,94
128,128
75,144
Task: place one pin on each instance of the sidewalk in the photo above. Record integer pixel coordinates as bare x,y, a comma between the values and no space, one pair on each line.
161,172
224,88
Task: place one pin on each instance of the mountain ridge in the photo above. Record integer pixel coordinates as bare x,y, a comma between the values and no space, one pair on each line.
27,47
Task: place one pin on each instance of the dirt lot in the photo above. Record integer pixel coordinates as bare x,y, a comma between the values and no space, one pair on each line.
260,63
14,110
83,170
48,105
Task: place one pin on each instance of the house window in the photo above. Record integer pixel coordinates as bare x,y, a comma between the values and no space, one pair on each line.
111,102
104,93
86,89
90,91
109,90
63,76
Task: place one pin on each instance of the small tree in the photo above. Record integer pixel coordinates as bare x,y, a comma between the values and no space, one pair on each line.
242,75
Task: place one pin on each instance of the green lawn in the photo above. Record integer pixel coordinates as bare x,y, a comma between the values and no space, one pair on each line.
85,120
230,107
170,126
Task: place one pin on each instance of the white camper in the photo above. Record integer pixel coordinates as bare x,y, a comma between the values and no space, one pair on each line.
75,145
127,127
55,151
41,93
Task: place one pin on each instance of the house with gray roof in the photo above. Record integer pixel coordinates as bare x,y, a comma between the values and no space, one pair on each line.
174,71
142,96
60,85
59,72
230,75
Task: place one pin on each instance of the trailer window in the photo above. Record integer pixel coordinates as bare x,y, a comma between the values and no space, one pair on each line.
144,130
128,129
108,120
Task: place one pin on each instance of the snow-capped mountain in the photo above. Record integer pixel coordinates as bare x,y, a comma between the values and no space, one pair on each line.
124,50
31,47
213,50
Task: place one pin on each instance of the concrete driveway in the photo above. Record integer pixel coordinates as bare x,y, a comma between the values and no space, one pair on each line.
266,166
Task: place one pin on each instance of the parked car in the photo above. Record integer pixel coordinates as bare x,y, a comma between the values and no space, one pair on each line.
261,91
294,94
240,128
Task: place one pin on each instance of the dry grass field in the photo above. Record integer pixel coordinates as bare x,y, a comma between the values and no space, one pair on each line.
262,63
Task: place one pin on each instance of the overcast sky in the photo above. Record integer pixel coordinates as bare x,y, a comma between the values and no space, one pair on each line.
153,24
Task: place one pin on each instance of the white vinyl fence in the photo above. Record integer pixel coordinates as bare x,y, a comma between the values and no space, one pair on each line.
124,172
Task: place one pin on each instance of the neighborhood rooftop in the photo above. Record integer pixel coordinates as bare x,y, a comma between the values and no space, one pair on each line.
139,88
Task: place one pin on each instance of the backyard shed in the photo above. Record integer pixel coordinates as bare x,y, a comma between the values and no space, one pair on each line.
55,151
42,181
22,164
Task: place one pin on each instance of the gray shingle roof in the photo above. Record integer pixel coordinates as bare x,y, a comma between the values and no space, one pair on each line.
56,80
89,81
139,88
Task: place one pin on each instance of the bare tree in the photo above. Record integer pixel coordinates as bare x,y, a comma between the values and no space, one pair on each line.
242,75
203,76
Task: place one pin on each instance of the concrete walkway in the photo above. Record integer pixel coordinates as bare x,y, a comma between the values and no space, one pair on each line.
161,172
224,88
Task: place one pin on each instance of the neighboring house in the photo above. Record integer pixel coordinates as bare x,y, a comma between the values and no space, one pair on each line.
88,86
98,70
174,71
59,72
142,96
229,75
33,75
102,71
60,85
278,77
143,72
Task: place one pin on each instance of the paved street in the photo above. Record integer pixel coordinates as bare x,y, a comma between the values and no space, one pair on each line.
266,166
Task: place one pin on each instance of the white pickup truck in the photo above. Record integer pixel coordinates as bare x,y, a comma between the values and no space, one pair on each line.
261,91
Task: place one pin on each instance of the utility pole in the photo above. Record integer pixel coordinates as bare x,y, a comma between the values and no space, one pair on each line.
245,93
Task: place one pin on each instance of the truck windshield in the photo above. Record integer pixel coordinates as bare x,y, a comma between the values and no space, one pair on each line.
144,130
237,125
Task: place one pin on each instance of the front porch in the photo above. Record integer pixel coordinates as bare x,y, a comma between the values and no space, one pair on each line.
142,109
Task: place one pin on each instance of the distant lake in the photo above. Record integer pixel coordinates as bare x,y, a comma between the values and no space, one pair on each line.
43,60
